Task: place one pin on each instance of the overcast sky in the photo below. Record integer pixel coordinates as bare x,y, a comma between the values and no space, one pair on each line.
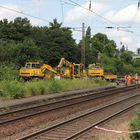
104,13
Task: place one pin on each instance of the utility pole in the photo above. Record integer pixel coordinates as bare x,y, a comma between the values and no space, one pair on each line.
90,5
83,45
138,4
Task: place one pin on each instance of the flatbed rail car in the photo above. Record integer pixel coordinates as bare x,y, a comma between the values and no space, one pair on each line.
97,70
110,77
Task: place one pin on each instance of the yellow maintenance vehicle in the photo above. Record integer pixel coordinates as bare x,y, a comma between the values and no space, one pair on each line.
35,70
110,77
72,70
97,70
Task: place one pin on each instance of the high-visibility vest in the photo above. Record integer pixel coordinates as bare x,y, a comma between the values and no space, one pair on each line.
48,76
129,78
136,77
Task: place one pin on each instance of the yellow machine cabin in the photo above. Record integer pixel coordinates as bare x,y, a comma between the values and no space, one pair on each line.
35,70
95,70
68,72
72,70
78,70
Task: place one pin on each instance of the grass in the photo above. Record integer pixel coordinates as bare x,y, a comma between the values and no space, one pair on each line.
14,89
135,126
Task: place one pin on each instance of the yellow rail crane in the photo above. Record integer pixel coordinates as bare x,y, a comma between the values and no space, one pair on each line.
72,70
33,70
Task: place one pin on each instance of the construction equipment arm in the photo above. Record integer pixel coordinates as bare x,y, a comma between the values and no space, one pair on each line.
48,67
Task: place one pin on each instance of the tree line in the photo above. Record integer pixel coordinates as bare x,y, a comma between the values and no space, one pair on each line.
21,42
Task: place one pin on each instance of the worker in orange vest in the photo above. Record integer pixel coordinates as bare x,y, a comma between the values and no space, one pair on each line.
129,79
48,76
136,78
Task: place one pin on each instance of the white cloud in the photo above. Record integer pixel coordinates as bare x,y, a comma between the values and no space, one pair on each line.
35,8
124,38
127,15
79,13
10,15
109,1
127,39
122,16
138,45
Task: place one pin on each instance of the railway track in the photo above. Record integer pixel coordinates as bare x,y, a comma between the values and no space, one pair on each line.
73,127
20,114
58,97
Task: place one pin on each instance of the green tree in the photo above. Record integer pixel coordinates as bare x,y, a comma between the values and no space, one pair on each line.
136,65
91,55
99,44
138,50
122,48
98,41
59,43
7,51
39,35
90,51
8,71
108,63
22,28
109,49
17,30
136,62
26,51
88,38
126,56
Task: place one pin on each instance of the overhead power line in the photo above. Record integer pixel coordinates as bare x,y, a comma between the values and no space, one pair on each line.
26,14
94,13
68,3
120,28
62,11
23,13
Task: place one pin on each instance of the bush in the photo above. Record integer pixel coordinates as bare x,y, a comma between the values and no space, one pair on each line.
135,126
8,72
55,86
14,89
11,89
33,88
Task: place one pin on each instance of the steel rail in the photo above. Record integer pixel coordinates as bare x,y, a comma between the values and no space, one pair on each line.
70,103
74,136
56,126
56,98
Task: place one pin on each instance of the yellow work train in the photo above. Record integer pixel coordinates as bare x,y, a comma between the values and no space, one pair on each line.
72,70
97,70
35,70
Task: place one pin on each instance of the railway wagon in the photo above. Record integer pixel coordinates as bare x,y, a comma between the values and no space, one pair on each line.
110,77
